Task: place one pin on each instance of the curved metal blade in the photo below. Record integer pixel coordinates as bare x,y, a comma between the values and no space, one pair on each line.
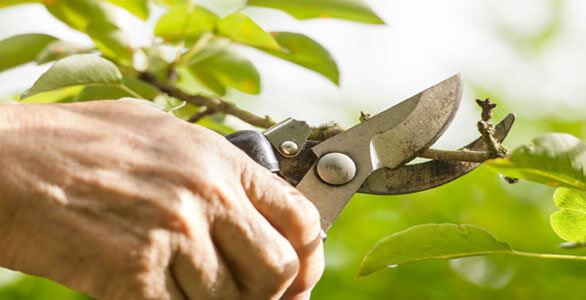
399,132
430,174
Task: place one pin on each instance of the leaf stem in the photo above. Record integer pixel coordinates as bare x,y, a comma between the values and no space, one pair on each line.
201,114
548,255
131,92
201,42
213,103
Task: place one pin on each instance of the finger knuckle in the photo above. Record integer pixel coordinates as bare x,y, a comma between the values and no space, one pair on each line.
279,275
305,219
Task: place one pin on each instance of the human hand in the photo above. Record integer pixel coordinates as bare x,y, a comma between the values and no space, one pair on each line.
122,201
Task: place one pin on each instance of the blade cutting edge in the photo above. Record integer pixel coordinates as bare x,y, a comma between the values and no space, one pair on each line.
401,131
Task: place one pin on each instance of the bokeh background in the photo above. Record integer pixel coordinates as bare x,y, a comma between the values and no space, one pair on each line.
529,56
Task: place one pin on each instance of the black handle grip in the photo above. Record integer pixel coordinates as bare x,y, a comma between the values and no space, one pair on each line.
256,145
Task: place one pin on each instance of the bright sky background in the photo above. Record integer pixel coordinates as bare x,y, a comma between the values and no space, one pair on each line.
424,42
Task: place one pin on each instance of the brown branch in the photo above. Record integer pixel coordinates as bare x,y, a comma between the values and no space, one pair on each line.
214,103
486,129
456,155
325,131
201,114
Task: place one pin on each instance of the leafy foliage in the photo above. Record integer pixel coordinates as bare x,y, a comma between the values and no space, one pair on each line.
6,3
11,49
185,22
354,10
218,67
200,39
240,28
552,159
139,8
60,49
205,61
77,70
570,222
431,241
304,51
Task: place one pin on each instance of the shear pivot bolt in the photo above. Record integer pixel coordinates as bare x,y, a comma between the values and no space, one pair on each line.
336,168
289,148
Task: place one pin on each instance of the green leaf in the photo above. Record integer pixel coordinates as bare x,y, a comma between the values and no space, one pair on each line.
240,28
570,222
139,8
130,87
147,91
302,50
554,159
215,65
102,92
431,241
97,19
22,49
185,22
61,49
353,10
190,83
6,3
208,80
111,41
78,14
67,94
74,70
155,60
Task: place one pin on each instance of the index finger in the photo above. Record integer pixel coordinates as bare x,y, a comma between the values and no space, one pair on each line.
294,216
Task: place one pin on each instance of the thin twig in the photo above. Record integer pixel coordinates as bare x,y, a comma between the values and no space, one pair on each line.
325,131
456,155
216,104
201,42
201,114
486,129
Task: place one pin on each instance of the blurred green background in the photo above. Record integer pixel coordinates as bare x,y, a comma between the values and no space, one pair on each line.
527,56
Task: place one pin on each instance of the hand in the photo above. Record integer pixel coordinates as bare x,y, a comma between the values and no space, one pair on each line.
122,201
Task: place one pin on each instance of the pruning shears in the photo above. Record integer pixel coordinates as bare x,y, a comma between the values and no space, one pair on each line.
372,157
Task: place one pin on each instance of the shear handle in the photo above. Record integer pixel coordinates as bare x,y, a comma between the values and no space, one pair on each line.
256,145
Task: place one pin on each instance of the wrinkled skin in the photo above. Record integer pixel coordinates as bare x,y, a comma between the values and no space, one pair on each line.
122,201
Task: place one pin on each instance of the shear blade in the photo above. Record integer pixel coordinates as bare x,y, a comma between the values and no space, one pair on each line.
427,122
430,174
396,135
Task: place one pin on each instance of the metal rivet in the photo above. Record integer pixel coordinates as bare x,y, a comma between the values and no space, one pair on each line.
289,148
336,168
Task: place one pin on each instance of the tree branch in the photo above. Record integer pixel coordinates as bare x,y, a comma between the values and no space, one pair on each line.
486,129
325,131
457,155
201,114
216,104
